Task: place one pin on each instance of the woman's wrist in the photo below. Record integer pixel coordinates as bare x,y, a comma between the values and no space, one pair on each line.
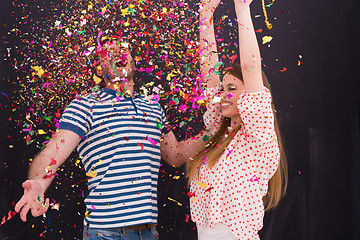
206,12
241,6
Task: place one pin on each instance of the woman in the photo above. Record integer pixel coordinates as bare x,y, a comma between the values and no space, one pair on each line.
241,170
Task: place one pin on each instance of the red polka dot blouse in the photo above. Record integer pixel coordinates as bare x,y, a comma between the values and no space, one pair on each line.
231,192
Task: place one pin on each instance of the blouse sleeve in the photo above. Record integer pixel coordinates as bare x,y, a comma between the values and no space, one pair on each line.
258,118
213,115
257,115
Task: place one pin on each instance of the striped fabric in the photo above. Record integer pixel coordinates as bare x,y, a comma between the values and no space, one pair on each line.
121,146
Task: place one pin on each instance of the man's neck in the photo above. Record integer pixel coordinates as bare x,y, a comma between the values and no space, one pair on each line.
121,86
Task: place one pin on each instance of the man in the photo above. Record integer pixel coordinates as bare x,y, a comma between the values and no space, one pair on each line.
118,134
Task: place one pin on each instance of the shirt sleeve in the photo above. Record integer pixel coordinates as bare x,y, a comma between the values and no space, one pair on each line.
257,114
213,115
77,117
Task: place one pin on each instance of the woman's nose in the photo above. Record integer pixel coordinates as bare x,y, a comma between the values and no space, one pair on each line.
222,94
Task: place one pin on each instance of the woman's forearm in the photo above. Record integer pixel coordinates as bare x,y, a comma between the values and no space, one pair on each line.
209,56
249,49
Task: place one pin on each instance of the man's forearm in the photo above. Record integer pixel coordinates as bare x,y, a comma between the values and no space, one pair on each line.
43,169
189,147
45,164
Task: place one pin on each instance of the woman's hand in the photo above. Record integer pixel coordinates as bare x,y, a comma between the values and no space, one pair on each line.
243,2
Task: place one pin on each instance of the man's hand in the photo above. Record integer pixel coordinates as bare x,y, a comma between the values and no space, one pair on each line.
33,199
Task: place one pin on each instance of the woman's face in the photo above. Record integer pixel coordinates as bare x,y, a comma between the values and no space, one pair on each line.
231,89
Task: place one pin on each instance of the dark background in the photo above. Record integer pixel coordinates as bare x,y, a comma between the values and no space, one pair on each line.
319,110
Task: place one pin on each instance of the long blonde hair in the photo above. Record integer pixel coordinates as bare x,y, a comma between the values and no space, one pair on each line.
216,145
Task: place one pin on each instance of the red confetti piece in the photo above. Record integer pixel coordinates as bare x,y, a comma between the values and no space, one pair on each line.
283,70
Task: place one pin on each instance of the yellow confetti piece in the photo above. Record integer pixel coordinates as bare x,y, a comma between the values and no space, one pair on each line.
268,24
169,76
202,185
91,174
125,12
51,99
39,71
176,177
175,201
201,102
40,131
96,79
266,39
193,198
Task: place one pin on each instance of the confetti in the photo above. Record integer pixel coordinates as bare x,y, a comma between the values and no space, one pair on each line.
202,185
268,24
175,201
92,174
254,179
266,39
152,141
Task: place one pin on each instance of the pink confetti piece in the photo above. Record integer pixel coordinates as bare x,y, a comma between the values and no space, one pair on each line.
230,95
156,97
152,141
230,151
205,158
98,40
183,108
254,180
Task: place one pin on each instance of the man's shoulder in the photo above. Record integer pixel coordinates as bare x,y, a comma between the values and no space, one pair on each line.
150,103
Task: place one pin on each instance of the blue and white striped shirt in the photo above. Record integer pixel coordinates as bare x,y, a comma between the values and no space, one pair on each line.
118,144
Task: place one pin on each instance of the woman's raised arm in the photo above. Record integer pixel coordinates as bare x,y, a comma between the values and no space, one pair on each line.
249,49
208,51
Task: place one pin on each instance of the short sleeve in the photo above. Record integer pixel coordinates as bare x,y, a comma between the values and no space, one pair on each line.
77,117
257,114
213,115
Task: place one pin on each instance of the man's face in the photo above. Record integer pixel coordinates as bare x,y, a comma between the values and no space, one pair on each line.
114,62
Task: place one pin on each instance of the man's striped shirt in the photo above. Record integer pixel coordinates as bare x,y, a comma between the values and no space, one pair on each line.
120,148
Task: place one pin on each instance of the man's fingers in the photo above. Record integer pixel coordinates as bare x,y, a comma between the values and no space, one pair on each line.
47,204
37,210
24,212
26,184
19,204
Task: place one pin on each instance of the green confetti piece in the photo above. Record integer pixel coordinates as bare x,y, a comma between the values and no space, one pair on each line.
206,138
159,125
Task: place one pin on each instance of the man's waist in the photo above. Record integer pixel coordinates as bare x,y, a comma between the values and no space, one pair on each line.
141,226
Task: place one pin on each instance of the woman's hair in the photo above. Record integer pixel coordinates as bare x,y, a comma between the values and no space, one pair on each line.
216,145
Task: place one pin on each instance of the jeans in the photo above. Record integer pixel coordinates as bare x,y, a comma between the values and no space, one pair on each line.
119,234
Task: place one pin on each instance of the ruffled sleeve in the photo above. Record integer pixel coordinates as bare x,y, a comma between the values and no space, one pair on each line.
256,113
